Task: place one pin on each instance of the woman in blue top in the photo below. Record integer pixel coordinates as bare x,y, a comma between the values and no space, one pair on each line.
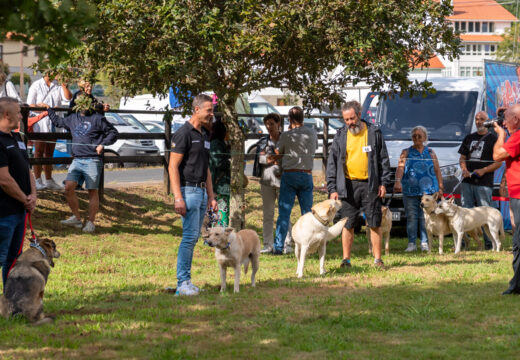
417,173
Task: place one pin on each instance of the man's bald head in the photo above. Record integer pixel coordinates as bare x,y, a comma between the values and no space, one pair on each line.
512,118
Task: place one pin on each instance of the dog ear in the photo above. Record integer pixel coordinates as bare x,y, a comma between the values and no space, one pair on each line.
229,230
435,196
451,201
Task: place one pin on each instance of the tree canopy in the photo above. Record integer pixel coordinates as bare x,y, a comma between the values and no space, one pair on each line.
509,48
54,26
232,47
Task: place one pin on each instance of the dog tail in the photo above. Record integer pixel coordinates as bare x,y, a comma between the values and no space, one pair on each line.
335,230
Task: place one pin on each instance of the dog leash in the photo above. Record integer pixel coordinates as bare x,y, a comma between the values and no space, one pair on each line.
458,184
34,240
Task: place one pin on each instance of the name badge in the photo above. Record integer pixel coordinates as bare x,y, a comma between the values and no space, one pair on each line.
367,149
21,145
207,144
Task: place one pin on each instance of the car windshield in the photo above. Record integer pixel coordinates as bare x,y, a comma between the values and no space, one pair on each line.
447,115
154,128
132,121
115,119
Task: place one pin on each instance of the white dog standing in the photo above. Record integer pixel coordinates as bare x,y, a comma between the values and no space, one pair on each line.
234,249
465,219
311,232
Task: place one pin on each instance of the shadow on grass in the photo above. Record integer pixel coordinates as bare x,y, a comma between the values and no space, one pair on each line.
277,319
120,212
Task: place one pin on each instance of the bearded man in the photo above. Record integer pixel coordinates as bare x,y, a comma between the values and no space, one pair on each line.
358,170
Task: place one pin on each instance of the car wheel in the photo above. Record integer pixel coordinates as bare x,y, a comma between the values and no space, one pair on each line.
110,165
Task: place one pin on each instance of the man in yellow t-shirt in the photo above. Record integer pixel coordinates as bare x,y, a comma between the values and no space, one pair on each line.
358,169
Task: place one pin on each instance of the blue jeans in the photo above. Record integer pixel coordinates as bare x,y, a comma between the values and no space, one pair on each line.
12,229
196,200
414,219
292,184
475,195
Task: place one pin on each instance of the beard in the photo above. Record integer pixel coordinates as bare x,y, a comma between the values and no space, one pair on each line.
356,128
481,128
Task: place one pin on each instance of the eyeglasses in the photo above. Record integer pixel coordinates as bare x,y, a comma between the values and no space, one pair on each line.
416,136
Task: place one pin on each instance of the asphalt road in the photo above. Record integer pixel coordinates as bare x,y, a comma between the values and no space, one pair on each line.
142,175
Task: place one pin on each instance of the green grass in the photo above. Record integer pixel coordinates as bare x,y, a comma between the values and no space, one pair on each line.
106,294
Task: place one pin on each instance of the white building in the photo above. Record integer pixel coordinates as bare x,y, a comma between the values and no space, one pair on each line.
482,22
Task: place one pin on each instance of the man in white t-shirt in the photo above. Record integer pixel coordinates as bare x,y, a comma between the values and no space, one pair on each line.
46,91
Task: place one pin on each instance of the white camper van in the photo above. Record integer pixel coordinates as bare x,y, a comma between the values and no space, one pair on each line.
448,115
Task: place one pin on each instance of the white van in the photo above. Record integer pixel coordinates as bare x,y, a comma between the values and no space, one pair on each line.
448,115
150,102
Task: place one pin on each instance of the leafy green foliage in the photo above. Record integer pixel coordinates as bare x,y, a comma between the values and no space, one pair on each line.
54,25
232,47
509,48
15,78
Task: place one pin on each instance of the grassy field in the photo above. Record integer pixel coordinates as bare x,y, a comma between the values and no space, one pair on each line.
106,293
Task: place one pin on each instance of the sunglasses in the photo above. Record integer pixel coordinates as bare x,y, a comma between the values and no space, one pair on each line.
417,136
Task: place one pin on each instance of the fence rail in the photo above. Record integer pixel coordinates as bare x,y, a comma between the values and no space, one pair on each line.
146,159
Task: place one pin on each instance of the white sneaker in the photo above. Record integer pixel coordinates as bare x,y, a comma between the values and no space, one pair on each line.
51,184
266,250
89,227
411,247
72,221
196,288
424,246
40,185
186,290
288,249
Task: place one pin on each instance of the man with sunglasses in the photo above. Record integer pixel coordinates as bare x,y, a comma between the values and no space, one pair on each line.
478,167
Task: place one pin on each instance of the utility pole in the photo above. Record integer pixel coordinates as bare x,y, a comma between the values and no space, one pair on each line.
22,77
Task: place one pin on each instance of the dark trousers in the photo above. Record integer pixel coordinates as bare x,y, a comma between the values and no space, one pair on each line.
514,284
12,230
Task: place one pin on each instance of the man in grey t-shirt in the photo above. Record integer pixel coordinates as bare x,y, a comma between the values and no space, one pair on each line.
296,148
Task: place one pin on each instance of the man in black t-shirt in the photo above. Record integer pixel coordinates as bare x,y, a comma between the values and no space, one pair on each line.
17,185
191,185
477,165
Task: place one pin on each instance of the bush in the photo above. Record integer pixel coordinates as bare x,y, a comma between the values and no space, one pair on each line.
15,78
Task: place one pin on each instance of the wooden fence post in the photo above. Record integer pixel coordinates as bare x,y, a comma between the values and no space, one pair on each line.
325,146
101,189
167,148
23,124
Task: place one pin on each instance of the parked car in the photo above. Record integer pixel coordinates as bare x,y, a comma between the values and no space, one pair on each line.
136,147
131,120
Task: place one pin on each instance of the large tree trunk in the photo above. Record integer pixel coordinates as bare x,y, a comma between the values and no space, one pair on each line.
236,138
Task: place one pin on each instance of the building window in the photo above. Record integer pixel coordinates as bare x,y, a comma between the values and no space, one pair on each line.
1,52
477,27
463,26
456,26
491,27
477,71
485,26
492,48
463,69
470,26
36,51
25,49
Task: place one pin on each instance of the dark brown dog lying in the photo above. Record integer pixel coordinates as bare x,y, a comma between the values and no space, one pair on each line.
23,293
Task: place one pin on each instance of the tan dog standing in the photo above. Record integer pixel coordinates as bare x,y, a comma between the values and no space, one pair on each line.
234,249
25,284
438,224
311,232
468,219
386,226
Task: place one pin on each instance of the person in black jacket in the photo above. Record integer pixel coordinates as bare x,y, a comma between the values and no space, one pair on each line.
358,169
91,132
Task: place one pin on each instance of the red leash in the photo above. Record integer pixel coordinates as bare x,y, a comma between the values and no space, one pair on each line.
34,239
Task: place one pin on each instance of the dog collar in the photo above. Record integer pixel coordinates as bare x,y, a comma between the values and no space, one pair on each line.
322,221
38,247
227,246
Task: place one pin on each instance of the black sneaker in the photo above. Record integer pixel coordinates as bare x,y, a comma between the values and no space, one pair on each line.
276,252
345,263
